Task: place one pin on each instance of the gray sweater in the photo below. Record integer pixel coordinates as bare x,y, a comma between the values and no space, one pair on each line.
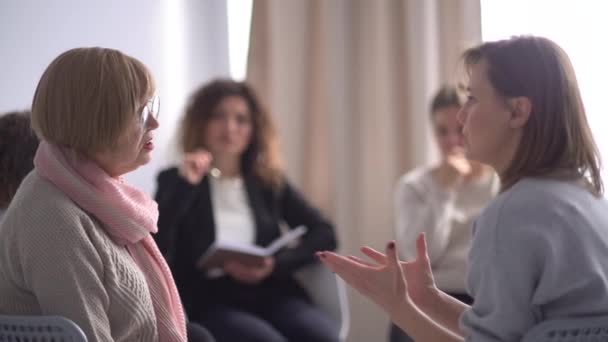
540,252
56,259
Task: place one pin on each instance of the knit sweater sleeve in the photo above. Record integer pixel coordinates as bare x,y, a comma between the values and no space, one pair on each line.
533,258
504,265
63,268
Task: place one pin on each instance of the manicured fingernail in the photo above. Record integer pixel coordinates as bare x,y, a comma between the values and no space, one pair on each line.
391,245
320,255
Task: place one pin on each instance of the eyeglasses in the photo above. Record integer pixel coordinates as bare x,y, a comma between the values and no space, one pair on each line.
152,108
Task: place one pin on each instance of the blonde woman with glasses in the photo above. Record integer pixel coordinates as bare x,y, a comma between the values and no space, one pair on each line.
76,239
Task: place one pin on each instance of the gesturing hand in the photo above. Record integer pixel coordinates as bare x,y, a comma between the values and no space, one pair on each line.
249,274
388,282
454,170
418,273
195,165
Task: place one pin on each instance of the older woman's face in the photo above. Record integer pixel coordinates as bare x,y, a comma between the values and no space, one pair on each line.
229,129
133,148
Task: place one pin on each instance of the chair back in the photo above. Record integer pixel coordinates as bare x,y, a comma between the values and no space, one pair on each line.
584,329
39,328
328,292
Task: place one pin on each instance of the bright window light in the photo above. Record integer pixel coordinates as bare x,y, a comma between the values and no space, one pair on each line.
579,27
239,24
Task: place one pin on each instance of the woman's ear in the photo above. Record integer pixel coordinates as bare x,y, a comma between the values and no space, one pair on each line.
521,108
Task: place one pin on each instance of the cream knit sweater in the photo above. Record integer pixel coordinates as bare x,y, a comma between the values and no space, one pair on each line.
55,259
446,218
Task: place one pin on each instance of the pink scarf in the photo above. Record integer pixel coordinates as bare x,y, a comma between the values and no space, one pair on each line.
128,215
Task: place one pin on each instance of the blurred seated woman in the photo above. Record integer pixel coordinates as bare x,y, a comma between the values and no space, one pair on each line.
230,187
76,239
18,144
442,201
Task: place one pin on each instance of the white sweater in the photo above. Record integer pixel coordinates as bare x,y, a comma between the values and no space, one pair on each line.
56,259
421,205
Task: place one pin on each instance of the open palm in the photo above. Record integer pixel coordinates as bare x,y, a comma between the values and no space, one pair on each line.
386,281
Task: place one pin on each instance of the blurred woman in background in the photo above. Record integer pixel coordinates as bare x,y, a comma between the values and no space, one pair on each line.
18,144
230,186
442,201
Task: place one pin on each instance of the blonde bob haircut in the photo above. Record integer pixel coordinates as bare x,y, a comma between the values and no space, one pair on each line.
87,96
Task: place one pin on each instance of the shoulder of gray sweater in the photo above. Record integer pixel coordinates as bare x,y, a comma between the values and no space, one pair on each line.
536,209
39,207
538,197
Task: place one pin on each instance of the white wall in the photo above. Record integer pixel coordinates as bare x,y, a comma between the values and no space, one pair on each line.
183,42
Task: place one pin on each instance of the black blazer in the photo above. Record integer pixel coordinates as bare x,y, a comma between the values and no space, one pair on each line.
187,228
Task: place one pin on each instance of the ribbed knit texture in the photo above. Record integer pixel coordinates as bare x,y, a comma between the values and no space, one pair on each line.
57,259
128,216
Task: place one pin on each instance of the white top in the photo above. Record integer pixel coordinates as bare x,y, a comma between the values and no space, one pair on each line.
231,211
539,252
421,205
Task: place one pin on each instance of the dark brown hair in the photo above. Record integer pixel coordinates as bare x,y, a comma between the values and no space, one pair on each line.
18,144
262,156
556,140
446,96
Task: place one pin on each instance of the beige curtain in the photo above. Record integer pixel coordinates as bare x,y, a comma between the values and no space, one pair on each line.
348,82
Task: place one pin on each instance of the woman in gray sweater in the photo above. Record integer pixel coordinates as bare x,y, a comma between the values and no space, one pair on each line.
538,248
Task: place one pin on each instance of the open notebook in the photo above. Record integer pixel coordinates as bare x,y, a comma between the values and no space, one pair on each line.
248,254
